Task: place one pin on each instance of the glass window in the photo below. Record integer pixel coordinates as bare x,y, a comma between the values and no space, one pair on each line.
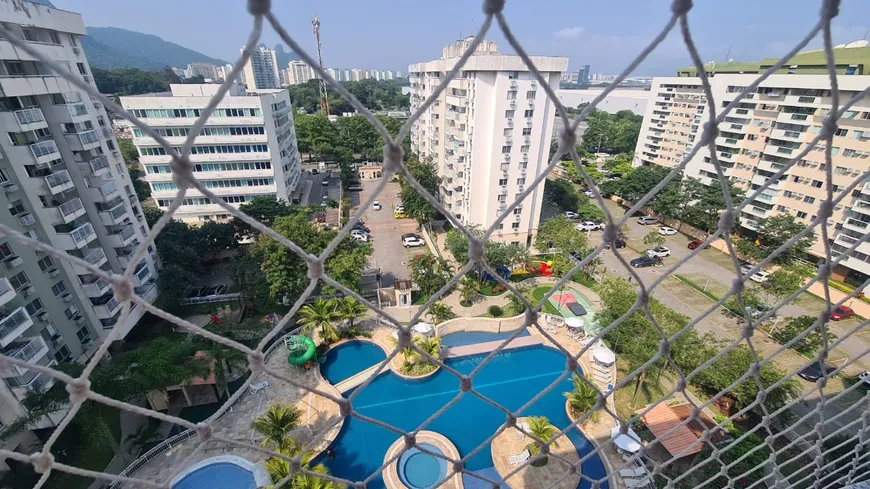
19,280
58,288
45,263
34,306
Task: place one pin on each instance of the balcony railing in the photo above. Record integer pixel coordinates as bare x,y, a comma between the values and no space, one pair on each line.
12,320
126,233
43,148
29,116
58,179
77,110
98,163
86,137
96,256
81,234
71,207
25,351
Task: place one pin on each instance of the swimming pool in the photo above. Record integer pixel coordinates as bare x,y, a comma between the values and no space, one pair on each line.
347,359
472,337
221,475
510,379
419,470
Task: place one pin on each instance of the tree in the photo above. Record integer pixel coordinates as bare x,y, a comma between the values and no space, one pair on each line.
670,202
562,194
132,81
276,425
540,428
431,346
416,206
265,209
174,283
217,237
315,135
249,280
654,240
350,310
516,304
795,326
787,280
440,312
612,133
582,398
128,151
430,273
590,212
775,231
152,214
457,242
279,469
640,182
558,232
320,316
707,203
468,289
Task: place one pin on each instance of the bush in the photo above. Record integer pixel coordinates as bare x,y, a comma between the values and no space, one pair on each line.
495,311
465,303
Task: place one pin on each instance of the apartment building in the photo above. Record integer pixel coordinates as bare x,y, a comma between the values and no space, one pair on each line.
759,136
246,150
262,71
488,134
205,70
63,182
298,72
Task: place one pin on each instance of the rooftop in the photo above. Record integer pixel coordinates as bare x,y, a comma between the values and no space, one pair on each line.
855,54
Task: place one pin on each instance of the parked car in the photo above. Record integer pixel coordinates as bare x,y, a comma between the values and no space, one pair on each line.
666,231
842,312
759,277
865,377
360,227
660,252
816,371
644,220
756,312
399,207
376,205
694,244
325,182
355,231
645,261
571,215
314,171
587,226
588,193
412,241
354,188
360,237
618,243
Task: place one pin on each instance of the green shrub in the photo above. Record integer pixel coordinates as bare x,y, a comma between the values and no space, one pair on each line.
495,311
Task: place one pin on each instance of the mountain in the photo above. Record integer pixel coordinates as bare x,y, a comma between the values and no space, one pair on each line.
110,47
283,57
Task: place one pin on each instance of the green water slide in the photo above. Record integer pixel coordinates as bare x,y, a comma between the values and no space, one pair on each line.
300,349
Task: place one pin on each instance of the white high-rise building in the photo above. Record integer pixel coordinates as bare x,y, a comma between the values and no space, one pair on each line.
299,73
246,150
206,70
261,70
488,134
63,182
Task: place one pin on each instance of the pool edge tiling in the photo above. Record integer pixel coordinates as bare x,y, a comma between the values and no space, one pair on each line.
372,354
258,472
441,442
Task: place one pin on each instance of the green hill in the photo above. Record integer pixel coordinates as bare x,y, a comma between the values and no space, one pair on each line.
110,47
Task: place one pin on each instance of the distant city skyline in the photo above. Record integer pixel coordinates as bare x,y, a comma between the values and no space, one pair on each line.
355,33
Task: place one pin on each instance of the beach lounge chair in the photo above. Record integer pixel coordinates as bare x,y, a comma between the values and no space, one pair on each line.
520,435
633,472
520,457
629,457
259,386
645,482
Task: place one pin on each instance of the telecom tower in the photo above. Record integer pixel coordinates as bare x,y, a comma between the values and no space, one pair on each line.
324,96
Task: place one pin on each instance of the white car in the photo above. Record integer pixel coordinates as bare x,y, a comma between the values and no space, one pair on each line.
376,205
400,207
412,242
587,226
759,277
588,193
666,231
660,252
360,237
570,215
644,220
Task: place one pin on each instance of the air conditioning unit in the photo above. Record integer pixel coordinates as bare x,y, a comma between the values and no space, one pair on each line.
28,291
80,321
66,297
77,51
54,272
67,358
11,188
43,316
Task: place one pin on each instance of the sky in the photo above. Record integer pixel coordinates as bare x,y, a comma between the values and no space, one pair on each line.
390,34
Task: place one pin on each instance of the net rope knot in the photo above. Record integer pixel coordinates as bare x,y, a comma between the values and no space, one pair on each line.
829,127
492,7
122,288
568,138
259,7
681,7
42,462
78,390
204,431
182,172
393,155
475,249
709,134
410,440
256,361
315,267
830,9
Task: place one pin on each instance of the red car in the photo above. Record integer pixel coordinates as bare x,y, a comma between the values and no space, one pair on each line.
841,313
696,243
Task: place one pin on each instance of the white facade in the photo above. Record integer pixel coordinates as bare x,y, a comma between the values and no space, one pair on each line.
261,70
63,182
488,134
299,72
613,102
246,150
206,70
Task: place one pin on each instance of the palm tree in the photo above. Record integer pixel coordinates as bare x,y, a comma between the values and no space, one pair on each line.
320,315
467,288
305,481
350,310
582,399
440,312
516,304
430,346
276,425
409,354
279,469
540,427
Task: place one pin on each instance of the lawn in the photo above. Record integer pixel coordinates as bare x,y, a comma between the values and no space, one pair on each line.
96,459
648,394
491,289
538,294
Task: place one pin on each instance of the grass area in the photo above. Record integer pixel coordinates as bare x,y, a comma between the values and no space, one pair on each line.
418,299
587,282
96,459
491,289
648,393
538,293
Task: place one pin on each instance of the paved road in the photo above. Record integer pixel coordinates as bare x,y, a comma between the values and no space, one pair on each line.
318,190
389,254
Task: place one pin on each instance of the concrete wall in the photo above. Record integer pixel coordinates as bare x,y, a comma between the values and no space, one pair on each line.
486,325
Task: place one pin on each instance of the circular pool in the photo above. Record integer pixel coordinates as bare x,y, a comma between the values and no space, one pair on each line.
419,470
222,475
350,358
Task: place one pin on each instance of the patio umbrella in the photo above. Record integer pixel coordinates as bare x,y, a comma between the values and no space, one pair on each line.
629,442
575,323
423,328
603,355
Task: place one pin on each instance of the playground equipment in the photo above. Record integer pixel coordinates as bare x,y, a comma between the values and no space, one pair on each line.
501,270
300,350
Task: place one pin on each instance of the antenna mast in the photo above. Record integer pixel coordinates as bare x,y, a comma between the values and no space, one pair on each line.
324,97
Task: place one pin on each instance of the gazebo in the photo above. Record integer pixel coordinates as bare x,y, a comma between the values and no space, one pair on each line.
681,442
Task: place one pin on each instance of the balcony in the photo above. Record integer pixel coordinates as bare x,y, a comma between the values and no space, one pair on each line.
122,237
78,110
31,349
67,212
107,309
30,119
59,181
39,382
104,193
855,225
26,219
13,323
93,256
786,135
45,151
7,293
114,215
141,276
97,166
77,238
81,141
95,286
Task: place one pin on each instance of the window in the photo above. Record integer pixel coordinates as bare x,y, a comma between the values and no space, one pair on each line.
782,208
502,181
527,131
62,354
82,69
512,95
505,167
524,165
83,334
5,251
505,149
841,132
45,263
16,207
530,95
835,150
849,152
502,198
19,280
518,211
817,184
500,226
509,113
521,181
508,132
54,37
14,68
802,215
515,226
34,306
58,288
513,75
524,148
72,40
71,312
3,177
809,200
529,113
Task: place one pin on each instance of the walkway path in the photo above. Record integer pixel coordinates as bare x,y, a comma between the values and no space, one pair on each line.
488,346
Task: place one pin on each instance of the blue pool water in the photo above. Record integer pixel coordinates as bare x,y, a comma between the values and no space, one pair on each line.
349,358
219,475
510,379
419,470
472,337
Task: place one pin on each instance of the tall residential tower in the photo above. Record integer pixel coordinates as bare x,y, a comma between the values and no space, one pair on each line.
262,70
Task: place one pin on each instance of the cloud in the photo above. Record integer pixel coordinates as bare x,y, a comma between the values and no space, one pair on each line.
568,33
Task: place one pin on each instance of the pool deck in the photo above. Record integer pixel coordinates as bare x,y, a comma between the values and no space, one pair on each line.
556,474
486,347
391,475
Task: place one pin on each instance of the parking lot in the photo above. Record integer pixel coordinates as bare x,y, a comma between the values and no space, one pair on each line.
386,233
318,190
